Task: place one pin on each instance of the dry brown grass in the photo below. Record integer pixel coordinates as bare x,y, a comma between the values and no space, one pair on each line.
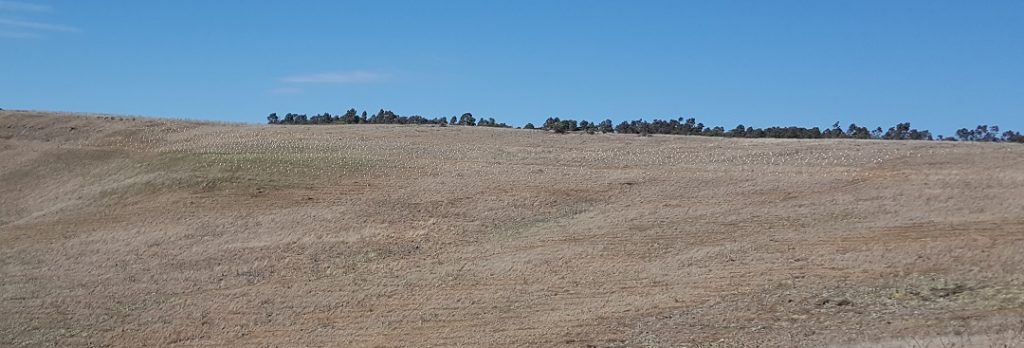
160,232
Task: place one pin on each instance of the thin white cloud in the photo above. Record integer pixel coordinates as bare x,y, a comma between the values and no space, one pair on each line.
15,6
350,77
29,25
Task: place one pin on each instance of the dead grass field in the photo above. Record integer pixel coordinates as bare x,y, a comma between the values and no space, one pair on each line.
147,232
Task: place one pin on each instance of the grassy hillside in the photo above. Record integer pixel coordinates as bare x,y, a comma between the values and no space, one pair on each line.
131,232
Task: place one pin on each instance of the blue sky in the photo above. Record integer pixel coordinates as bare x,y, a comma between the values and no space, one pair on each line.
939,64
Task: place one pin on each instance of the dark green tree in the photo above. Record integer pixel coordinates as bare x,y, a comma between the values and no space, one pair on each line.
467,119
739,132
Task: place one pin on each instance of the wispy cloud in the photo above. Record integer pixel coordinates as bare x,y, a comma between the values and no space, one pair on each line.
39,26
15,6
345,77
14,25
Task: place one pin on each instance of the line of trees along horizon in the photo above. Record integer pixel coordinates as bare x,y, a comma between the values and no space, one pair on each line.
680,126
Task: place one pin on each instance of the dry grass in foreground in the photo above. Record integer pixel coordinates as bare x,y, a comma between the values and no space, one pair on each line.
135,232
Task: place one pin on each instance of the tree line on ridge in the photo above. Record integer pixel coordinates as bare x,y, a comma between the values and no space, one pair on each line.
680,126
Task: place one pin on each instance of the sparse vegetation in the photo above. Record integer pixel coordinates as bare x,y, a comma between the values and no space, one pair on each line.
166,232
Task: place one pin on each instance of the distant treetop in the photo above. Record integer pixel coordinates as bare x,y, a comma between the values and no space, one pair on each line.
680,126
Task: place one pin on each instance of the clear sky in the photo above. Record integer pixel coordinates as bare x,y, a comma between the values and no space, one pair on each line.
939,64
